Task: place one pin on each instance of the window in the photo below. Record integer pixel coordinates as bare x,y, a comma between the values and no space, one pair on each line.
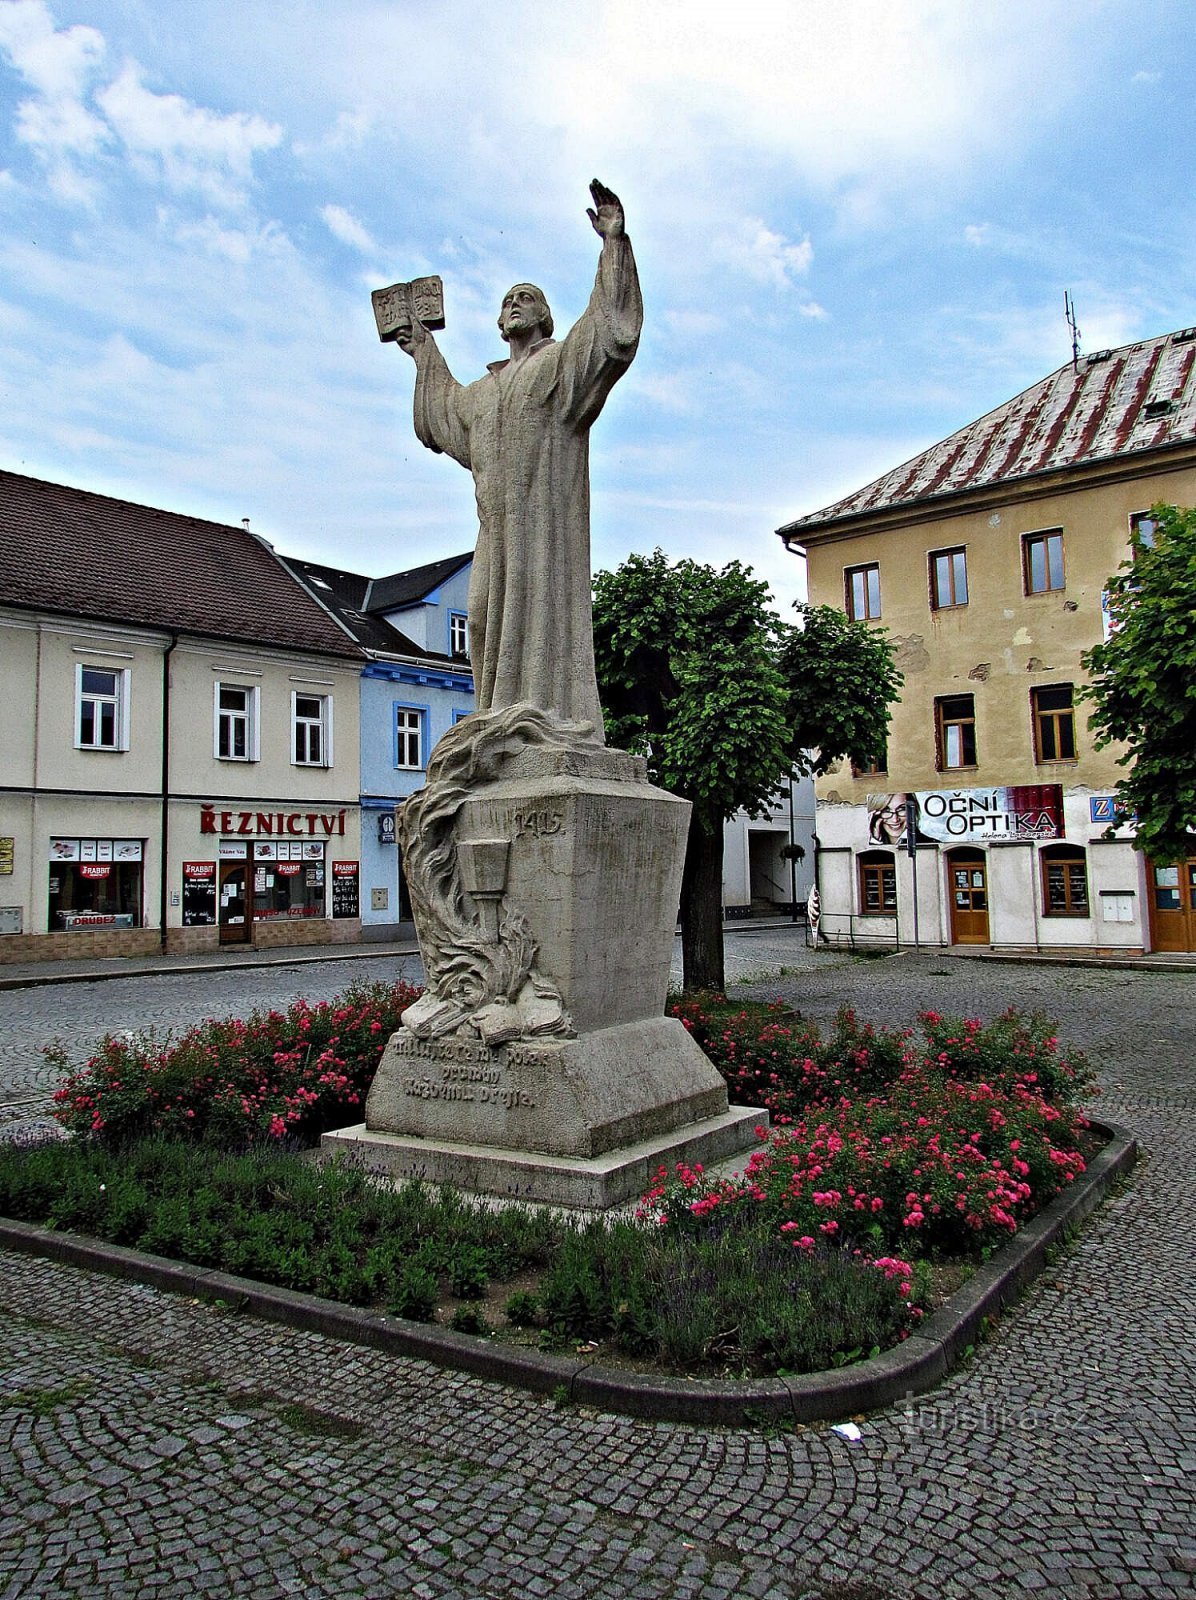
95,883
236,722
1064,881
878,884
948,579
311,722
863,592
1143,531
872,767
1042,561
1054,723
409,737
458,634
955,731
288,880
101,708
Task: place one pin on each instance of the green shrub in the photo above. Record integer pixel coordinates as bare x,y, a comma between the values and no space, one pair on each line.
469,1319
522,1309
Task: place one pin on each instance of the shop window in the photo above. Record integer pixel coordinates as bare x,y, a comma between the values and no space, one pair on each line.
236,722
95,883
409,737
101,707
1054,723
948,579
288,880
955,731
458,635
1042,561
878,884
1064,881
311,730
862,586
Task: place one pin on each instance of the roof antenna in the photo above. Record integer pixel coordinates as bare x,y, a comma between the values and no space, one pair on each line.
1069,311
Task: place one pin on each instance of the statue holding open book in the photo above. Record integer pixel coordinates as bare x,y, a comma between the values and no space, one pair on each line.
523,431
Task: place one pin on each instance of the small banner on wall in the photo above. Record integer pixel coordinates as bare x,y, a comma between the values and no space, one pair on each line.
966,816
199,894
345,898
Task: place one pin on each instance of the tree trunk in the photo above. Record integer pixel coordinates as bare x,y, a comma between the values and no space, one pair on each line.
702,908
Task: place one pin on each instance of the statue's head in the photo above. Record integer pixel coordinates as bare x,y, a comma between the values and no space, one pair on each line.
524,306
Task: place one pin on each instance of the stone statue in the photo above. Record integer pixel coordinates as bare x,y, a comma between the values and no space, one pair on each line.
523,431
544,869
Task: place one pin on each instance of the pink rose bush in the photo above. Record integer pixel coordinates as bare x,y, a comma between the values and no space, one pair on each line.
884,1145
273,1077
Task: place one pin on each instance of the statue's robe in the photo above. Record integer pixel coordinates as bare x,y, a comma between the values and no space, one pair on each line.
523,431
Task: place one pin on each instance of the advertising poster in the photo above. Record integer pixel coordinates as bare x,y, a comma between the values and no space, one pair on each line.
345,899
968,816
199,894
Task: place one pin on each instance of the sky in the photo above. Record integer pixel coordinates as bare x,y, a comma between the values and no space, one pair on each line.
855,221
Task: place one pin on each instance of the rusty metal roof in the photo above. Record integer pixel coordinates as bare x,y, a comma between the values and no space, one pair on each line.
1112,403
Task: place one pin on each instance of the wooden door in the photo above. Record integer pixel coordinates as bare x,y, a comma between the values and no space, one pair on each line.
235,924
967,895
1173,906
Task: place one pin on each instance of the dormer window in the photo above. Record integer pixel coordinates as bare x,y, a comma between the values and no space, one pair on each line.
458,635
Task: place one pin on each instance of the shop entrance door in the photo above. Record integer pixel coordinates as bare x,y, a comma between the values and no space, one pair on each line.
967,889
1173,906
234,902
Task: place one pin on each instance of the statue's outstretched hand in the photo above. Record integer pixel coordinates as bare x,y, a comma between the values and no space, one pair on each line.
607,216
411,335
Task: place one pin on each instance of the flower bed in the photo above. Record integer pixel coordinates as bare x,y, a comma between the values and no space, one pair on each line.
272,1077
890,1151
886,1144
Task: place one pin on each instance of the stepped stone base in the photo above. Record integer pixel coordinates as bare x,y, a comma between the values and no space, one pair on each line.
587,1183
559,1097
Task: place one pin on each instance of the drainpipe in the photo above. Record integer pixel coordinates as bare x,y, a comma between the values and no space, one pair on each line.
164,881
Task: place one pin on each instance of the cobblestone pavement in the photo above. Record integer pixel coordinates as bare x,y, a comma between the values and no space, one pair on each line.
154,1447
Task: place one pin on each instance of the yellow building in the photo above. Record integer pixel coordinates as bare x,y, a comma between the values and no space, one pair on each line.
986,559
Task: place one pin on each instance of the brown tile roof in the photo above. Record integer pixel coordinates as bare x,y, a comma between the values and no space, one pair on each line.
1139,398
87,555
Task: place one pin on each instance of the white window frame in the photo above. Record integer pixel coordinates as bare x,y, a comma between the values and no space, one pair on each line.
458,634
323,723
416,726
253,708
118,700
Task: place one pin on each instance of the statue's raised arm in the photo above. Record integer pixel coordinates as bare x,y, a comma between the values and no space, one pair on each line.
606,216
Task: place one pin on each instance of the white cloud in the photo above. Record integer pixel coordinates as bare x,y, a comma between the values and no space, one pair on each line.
1147,77
216,238
343,225
978,233
190,147
811,308
57,65
765,256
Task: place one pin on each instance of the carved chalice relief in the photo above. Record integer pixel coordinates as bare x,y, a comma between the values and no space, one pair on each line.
478,949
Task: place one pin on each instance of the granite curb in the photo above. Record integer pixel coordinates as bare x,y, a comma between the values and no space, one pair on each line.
913,1367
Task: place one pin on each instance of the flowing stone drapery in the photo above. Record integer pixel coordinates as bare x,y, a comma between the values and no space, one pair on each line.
480,982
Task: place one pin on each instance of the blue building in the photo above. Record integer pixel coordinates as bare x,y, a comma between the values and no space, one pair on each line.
417,682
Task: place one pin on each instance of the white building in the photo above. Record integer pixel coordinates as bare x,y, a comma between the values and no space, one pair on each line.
181,736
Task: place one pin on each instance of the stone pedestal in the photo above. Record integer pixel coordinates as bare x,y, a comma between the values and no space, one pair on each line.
573,848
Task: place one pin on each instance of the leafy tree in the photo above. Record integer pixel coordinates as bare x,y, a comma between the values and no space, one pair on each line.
689,675
841,681
1144,684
